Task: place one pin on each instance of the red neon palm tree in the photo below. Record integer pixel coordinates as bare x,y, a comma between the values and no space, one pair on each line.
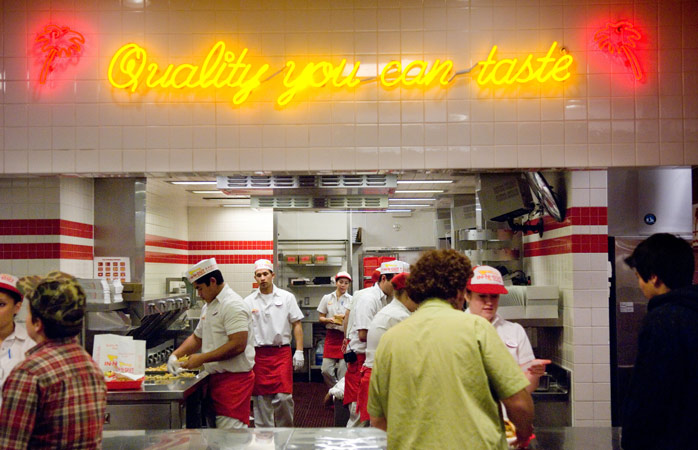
620,38
58,42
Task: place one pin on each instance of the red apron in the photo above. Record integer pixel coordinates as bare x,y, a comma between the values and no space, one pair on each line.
333,345
362,397
273,369
352,379
230,394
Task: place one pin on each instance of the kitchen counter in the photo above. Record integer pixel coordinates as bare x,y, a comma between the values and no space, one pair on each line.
157,406
323,438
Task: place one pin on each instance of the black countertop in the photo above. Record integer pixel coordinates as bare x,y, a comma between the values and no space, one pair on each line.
570,438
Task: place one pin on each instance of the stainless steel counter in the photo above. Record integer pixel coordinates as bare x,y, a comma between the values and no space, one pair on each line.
325,438
157,406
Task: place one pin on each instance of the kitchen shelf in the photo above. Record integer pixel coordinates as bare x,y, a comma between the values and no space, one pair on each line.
311,286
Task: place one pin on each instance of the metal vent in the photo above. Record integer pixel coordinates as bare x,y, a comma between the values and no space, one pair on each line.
306,181
334,202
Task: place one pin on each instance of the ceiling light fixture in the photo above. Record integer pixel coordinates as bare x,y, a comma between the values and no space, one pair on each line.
194,183
424,181
419,191
236,206
410,205
415,199
206,192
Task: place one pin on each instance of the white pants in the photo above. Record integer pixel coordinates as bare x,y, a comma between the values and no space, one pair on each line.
333,370
355,417
273,410
229,423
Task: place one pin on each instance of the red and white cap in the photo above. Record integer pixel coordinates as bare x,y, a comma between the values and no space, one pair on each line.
486,280
394,267
342,274
9,282
263,264
200,269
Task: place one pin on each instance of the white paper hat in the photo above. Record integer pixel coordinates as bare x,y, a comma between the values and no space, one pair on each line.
201,268
9,282
263,264
394,267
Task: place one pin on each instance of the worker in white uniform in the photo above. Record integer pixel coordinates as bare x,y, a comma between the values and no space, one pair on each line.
14,340
224,337
397,310
365,305
482,293
275,315
331,311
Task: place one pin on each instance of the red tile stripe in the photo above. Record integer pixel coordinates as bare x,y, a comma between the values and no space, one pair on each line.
164,242
594,215
46,251
578,243
171,258
39,227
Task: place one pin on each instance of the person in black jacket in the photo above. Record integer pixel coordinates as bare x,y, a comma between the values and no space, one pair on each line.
660,411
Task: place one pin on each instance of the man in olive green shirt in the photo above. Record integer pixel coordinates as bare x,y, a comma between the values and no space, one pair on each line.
438,375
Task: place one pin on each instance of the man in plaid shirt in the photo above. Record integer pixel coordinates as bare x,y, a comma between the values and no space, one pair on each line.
56,397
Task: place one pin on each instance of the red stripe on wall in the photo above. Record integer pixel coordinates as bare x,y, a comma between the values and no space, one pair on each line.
231,245
593,215
164,242
171,258
579,243
45,227
160,241
46,251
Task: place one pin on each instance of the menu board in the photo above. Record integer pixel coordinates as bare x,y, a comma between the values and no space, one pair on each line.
112,268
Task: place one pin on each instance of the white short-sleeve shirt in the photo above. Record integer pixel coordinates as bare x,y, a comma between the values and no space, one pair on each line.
330,305
272,319
12,351
366,304
514,337
385,319
227,314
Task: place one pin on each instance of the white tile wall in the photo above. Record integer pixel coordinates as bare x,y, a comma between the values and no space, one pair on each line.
600,117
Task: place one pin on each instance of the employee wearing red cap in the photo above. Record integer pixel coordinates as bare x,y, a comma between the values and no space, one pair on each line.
331,311
14,340
482,293
397,310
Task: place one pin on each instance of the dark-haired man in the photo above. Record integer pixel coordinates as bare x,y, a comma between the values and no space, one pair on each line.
224,337
660,410
56,397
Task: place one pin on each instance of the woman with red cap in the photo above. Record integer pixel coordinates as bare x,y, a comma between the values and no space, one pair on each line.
331,310
14,340
397,310
482,293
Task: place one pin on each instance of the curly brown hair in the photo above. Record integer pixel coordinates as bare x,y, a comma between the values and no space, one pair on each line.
440,274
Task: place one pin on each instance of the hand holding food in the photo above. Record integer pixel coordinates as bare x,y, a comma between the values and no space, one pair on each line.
174,366
192,362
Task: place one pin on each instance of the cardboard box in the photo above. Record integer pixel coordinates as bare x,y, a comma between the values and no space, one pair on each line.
291,259
305,259
320,259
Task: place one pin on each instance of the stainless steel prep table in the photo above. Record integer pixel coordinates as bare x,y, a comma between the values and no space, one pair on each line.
567,438
157,406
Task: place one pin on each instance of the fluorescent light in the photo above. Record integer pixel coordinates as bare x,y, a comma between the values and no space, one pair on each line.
196,183
416,199
206,192
364,211
424,181
419,191
410,205
245,205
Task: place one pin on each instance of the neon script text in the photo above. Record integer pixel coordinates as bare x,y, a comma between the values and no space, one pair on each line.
506,71
221,68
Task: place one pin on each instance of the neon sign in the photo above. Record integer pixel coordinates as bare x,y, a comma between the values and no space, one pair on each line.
130,69
505,71
58,42
619,38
